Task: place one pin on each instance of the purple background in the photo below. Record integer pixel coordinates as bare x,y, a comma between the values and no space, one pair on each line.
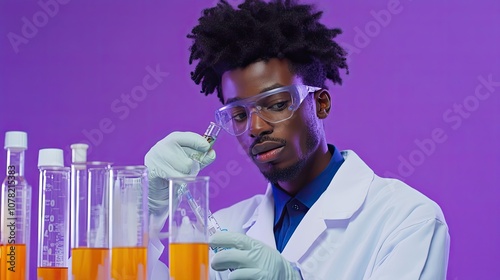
407,74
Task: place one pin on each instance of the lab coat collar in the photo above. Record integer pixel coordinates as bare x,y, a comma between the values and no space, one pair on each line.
263,228
343,197
348,189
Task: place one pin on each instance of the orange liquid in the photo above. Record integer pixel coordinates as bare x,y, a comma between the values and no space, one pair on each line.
2,266
2,269
128,263
52,273
90,263
188,261
13,262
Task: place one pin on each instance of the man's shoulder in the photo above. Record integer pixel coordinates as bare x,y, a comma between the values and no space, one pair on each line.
397,195
393,195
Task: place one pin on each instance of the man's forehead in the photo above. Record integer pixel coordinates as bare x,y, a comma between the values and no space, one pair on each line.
256,78
236,97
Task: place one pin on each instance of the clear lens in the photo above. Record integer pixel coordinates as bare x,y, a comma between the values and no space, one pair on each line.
272,108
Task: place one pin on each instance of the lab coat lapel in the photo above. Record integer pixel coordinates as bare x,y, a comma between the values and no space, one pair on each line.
309,229
260,225
343,197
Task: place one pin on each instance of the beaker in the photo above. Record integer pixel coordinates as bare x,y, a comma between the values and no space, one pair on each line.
53,222
129,222
90,222
188,239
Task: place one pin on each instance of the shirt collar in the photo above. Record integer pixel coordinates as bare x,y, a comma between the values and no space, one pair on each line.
310,193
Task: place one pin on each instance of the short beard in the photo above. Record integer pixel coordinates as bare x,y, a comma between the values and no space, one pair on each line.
290,173
285,174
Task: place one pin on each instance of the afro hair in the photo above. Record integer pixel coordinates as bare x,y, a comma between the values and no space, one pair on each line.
227,38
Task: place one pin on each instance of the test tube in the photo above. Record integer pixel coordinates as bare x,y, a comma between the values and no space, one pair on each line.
129,198
53,223
15,210
211,135
90,221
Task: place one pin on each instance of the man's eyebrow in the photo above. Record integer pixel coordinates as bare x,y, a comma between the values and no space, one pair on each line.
277,85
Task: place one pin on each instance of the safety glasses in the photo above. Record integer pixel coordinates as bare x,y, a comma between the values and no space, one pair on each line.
273,106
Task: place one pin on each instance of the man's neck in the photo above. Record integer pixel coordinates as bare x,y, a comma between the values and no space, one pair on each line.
316,163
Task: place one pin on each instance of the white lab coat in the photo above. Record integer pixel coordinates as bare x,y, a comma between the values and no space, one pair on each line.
362,227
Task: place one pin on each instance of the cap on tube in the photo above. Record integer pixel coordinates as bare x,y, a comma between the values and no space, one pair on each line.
16,139
79,152
51,157
213,130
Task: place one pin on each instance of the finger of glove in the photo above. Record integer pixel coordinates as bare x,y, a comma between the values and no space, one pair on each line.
190,140
209,158
166,160
173,153
171,164
232,259
249,273
227,239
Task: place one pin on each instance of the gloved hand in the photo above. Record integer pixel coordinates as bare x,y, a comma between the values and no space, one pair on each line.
250,258
171,157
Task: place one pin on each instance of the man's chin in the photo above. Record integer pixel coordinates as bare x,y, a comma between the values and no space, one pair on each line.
275,173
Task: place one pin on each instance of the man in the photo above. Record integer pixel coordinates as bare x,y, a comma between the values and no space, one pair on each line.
325,214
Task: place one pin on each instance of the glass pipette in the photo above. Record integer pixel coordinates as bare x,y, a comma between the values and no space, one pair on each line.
210,135
212,225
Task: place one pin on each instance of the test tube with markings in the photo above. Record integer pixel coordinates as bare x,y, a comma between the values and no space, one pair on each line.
53,222
211,135
129,218
90,220
15,211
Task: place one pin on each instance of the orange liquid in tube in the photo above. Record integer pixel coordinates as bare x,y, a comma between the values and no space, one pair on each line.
2,266
129,263
90,263
52,273
188,261
14,262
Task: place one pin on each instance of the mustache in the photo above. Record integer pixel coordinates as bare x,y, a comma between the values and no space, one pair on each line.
264,139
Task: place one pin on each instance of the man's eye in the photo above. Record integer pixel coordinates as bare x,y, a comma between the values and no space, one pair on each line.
278,106
240,117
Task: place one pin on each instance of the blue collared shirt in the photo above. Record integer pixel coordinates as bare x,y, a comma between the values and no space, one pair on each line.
289,211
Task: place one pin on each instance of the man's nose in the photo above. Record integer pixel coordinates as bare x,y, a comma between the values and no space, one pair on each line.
258,126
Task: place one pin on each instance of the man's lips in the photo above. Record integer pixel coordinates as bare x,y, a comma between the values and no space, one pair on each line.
268,156
267,151
265,147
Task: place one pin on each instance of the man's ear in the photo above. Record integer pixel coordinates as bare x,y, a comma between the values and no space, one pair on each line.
323,103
